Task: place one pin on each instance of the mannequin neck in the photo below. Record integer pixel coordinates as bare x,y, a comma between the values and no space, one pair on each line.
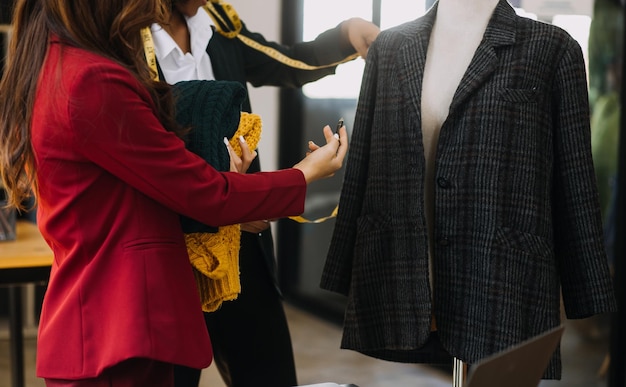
460,14
458,30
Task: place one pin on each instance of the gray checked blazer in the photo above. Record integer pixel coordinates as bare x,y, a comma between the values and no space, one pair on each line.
517,218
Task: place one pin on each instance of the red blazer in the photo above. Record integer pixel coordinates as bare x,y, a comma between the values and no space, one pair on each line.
112,183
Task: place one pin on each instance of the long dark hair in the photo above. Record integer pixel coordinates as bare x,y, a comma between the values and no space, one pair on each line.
110,28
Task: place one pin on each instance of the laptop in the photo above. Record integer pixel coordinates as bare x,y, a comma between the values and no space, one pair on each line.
522,365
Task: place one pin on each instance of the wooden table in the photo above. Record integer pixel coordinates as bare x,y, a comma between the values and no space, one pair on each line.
27,259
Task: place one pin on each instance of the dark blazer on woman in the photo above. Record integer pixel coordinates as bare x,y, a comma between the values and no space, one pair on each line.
232,60
517,221
257,315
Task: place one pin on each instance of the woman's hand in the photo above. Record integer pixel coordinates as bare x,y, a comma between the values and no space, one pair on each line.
240,164
360,33
256,226
324,161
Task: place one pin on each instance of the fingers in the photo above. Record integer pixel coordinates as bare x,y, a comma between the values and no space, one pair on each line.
328,134
343,143
240,164
323,162
312,147
361,34
235,161
247,155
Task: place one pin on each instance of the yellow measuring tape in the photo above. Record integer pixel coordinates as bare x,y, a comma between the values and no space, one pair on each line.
228,24
148,49
300,219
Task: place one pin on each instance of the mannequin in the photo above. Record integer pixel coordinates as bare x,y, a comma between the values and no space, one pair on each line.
469,204
446,62
448,55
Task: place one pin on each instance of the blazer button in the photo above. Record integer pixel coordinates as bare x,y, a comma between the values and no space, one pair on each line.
443,182
444,242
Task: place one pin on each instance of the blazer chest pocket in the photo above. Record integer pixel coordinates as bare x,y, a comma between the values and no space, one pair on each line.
519,95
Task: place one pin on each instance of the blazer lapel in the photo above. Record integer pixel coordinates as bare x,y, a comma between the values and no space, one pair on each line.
412,58
500,31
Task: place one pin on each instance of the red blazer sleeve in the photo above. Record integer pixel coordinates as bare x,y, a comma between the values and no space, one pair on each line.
113,120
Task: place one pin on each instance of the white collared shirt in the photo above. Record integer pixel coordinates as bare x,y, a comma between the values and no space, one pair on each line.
178,66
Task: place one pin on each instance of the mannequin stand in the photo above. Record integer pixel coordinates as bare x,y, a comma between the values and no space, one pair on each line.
459,370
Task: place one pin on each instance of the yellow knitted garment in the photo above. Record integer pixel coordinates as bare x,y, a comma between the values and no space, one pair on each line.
215,256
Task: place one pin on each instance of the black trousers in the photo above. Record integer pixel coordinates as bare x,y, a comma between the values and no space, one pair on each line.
250,335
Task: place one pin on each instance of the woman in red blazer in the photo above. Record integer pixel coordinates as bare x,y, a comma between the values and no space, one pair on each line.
83,124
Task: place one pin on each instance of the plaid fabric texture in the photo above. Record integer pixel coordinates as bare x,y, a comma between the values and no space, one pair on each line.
516,207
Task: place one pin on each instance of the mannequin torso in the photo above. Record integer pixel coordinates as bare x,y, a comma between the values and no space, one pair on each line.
457,32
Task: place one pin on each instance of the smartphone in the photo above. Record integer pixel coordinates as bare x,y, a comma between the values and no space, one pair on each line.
339,125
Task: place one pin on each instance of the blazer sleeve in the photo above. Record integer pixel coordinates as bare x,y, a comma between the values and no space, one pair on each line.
337,272
115,128
579,248
262,70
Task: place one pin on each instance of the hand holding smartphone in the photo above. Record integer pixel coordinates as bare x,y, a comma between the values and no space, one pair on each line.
339,125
